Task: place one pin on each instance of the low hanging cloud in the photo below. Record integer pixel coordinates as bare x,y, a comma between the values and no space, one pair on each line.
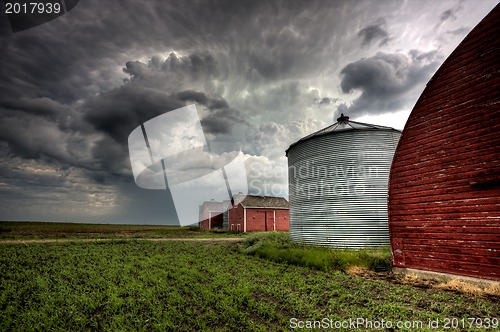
386,81
176,73
42,128
450,14
327,101
462,31
375,32
44,107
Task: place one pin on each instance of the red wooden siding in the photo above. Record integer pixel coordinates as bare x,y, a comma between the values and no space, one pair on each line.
283,220
210,218
214,221
203,217
235,221
265,220
259,214
258,219
444,186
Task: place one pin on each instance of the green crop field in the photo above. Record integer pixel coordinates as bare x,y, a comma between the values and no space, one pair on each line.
10,230
141,285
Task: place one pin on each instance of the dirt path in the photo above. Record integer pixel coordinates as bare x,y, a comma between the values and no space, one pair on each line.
189,239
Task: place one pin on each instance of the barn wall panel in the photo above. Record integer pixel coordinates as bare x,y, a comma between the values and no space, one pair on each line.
235,218
256,220
444,185
282,220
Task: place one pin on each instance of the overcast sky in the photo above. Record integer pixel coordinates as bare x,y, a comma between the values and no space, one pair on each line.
262,74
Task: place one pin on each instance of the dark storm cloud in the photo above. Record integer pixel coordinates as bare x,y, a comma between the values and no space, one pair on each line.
41,128
462,31
44,107
194,96
194,67
384,80
76,56
326,101
112,161
153,89
56,60
221,120
375,32
447,15
118,112
451,14
74,60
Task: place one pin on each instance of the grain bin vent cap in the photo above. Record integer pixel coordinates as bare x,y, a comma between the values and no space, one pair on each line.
343,124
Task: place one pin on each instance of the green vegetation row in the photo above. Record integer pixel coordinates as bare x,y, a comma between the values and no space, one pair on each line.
278,247
13,230
196,286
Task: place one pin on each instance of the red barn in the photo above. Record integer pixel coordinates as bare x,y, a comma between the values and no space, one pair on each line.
444,187
259,214
211,214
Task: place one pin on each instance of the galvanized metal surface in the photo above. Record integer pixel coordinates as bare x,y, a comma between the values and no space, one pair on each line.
444,192
338,186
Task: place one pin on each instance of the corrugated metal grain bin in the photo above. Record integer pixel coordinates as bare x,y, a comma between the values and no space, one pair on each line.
444,190
338,185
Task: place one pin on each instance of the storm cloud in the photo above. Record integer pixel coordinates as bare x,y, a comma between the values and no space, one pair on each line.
375,32
451,14
154,88
386,80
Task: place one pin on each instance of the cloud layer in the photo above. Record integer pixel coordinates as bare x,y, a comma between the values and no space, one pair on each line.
386,81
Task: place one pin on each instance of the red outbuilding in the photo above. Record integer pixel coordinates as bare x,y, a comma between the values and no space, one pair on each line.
444,187
259,214
211,214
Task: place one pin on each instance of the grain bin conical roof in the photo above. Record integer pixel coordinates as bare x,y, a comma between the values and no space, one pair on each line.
343,124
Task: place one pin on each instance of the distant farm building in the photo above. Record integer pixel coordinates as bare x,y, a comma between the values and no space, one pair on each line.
211,214
444,189
338,185
258,214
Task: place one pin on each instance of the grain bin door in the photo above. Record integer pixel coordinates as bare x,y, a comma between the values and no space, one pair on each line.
270,221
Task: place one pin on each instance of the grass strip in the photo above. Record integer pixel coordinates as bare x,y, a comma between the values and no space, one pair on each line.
278,247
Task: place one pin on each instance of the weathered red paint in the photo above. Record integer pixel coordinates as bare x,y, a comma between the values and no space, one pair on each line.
212,221
235,218
209,217
444,186
258,219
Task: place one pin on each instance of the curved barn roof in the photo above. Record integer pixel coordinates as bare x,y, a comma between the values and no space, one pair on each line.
444,185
